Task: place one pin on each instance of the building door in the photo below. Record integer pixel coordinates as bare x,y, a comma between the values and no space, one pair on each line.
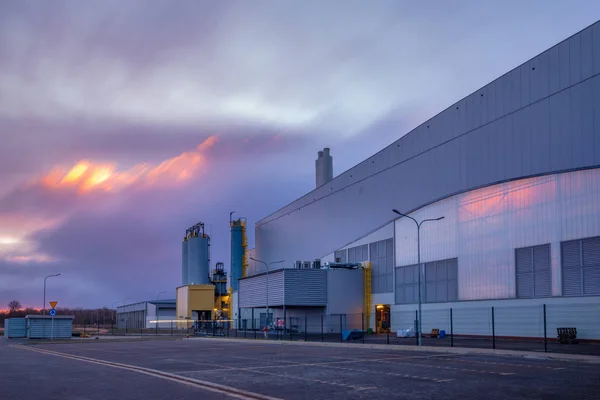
382,318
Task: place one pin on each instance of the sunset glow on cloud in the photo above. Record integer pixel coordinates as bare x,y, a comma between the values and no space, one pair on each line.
86,176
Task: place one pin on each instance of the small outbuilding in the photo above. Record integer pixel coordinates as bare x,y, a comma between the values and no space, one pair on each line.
49,327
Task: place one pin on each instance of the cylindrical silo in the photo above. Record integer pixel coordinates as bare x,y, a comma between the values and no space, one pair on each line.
198,260
184,262
237,253
203,276
192,260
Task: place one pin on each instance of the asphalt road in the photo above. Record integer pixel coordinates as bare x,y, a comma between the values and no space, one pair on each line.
58,371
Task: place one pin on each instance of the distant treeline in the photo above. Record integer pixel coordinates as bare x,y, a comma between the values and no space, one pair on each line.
102,316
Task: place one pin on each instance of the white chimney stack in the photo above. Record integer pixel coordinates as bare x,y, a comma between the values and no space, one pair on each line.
323,167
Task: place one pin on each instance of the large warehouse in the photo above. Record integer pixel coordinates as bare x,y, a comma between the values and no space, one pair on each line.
513,169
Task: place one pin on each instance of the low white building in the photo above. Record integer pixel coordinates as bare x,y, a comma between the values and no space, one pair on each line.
147,315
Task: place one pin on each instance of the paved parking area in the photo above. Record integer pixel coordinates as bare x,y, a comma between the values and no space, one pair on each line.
300,371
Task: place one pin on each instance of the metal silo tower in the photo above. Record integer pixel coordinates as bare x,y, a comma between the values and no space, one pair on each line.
239,244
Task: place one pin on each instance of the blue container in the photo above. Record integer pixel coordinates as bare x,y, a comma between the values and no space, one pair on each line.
442,334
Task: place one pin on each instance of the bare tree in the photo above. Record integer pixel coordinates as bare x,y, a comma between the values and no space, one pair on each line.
14,305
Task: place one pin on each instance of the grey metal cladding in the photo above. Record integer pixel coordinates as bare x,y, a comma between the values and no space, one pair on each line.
305,287
581,267
252,293
537,119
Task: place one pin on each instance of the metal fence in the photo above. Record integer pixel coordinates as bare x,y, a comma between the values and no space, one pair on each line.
526,329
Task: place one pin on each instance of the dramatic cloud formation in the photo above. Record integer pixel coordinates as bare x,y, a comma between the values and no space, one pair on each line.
124,122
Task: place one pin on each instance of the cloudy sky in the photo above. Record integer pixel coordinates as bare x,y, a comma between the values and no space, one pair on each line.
124,122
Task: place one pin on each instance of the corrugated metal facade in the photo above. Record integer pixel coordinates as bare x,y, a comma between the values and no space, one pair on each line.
45,327
252,293
483,228
289,287
15,328
539,118
305,287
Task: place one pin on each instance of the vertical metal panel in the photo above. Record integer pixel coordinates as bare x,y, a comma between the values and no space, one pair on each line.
45,328
542,271
596,40
564,66
595,83
571,268
575,59
252,291
591,252
591,266
305,287
15,328
587,54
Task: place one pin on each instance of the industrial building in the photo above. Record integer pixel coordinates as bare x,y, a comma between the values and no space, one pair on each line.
146,314
508,181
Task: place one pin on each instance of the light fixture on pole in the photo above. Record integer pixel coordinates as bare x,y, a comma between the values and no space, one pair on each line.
420,336
267,280
49,276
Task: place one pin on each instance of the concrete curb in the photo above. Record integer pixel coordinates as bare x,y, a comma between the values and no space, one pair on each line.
427,349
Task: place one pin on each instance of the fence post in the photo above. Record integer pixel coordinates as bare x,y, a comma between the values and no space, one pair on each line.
341,333
545,333
245,328
417,326
321,327
362,317
451,330
388,336
306,328
493,330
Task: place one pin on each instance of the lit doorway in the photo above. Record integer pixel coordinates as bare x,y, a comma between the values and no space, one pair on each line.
382,318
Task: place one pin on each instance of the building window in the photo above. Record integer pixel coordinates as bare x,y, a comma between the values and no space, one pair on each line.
358,254
533,272
581,267
340,256
440,283
407,284
381,256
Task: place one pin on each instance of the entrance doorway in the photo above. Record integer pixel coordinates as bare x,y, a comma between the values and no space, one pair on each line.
382,318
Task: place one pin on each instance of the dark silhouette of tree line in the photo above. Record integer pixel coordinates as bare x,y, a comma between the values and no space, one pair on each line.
85,317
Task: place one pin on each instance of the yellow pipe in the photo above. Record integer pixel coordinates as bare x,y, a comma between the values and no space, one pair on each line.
367,291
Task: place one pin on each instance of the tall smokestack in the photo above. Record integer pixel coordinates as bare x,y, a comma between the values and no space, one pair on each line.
323,167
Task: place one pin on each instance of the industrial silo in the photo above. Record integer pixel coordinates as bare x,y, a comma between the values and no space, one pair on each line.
238,251
184,261
198,256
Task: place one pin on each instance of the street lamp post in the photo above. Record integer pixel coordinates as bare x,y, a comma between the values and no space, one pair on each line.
420,336
49,276
267,279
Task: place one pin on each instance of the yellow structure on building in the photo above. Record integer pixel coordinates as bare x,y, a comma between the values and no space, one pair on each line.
194,302
367,291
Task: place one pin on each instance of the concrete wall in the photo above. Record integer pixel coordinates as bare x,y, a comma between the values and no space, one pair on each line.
537,119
